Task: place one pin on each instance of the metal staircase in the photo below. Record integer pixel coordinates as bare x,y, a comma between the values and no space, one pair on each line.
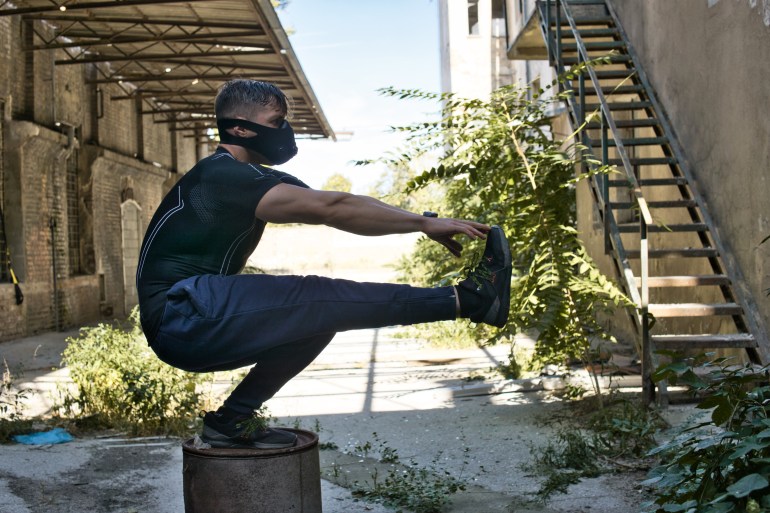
665,248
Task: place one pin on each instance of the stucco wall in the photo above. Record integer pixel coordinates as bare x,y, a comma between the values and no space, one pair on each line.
472,64
709,62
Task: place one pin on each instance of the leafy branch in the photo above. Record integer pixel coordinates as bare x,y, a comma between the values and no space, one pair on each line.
500,163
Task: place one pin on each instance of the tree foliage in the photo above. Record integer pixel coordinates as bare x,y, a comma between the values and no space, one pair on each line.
502,165
338,182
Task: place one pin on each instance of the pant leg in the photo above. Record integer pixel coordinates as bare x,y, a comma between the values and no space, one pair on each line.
274,368
215,322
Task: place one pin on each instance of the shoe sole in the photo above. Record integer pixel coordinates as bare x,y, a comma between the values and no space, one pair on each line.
498,315
229,444
219,441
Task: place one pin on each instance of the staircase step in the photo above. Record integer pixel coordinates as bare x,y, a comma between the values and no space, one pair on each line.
694,309
585,2
675,253
681,342
638,141
590,33
620,106
623,205
612,59
646,182
585,20
595,45
685,281
669,228
659,161
608,90
609,74
628,123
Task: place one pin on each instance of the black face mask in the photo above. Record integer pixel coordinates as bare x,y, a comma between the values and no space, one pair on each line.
275,144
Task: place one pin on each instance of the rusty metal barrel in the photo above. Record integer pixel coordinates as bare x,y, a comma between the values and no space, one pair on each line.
253,480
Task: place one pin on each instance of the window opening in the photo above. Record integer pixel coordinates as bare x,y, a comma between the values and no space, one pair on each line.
498,18
473,17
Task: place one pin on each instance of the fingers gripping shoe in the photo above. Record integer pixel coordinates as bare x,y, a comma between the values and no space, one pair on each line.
485,295
245,432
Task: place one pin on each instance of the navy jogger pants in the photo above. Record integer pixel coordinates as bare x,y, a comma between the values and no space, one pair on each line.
279,324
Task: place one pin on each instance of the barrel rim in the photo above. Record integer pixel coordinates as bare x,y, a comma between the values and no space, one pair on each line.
306,441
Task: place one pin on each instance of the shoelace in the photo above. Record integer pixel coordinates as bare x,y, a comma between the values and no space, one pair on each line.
480,273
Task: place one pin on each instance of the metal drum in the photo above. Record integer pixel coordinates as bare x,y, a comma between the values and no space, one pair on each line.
253,480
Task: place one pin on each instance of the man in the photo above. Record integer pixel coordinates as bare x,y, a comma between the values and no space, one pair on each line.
200,315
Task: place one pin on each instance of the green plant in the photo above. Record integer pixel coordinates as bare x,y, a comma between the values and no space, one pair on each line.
564,460
387,454
418,489
505,167
12,421
624,428
593,443
121,383
721,465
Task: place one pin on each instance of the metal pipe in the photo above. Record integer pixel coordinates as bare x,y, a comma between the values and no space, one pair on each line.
52,226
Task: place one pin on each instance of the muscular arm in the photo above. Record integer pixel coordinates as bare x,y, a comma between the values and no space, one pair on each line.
361,215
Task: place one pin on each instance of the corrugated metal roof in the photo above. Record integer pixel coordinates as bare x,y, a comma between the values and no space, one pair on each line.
175,54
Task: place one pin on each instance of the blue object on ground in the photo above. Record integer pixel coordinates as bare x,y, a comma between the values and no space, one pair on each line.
54,436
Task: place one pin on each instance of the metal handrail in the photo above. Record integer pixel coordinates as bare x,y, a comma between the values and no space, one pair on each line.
639,296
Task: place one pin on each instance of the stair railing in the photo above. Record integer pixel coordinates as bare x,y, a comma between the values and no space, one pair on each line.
640,296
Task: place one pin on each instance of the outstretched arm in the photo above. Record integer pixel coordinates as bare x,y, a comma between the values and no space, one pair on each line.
362,215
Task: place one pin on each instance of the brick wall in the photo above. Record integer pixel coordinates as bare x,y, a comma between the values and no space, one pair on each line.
43,103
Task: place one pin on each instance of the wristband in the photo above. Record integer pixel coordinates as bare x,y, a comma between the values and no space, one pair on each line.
429,214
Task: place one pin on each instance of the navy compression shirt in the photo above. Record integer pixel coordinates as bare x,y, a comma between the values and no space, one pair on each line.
206,224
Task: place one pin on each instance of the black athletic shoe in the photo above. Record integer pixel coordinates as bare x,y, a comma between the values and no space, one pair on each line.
485,295
245,432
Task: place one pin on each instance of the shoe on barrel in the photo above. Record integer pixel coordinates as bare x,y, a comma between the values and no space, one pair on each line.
244,432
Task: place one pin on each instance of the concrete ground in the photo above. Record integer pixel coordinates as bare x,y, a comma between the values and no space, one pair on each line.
368,386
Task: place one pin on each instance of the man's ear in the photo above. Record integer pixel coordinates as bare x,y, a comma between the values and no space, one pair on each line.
238,130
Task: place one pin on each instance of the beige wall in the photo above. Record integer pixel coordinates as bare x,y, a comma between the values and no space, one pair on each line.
709,63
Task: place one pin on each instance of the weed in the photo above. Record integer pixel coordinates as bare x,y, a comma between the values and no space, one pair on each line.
418,489
625,428
121,383
622,429
567,459
12,421
473,377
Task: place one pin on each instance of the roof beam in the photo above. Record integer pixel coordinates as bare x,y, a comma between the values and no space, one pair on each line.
142,21
200,38
173,78
89,5
170,57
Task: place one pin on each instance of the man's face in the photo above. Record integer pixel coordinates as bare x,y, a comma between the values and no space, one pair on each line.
269,116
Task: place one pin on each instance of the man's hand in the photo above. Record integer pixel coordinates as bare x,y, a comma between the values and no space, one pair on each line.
443,230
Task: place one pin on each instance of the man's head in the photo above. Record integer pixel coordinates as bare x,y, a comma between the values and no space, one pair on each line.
243,98
252,115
